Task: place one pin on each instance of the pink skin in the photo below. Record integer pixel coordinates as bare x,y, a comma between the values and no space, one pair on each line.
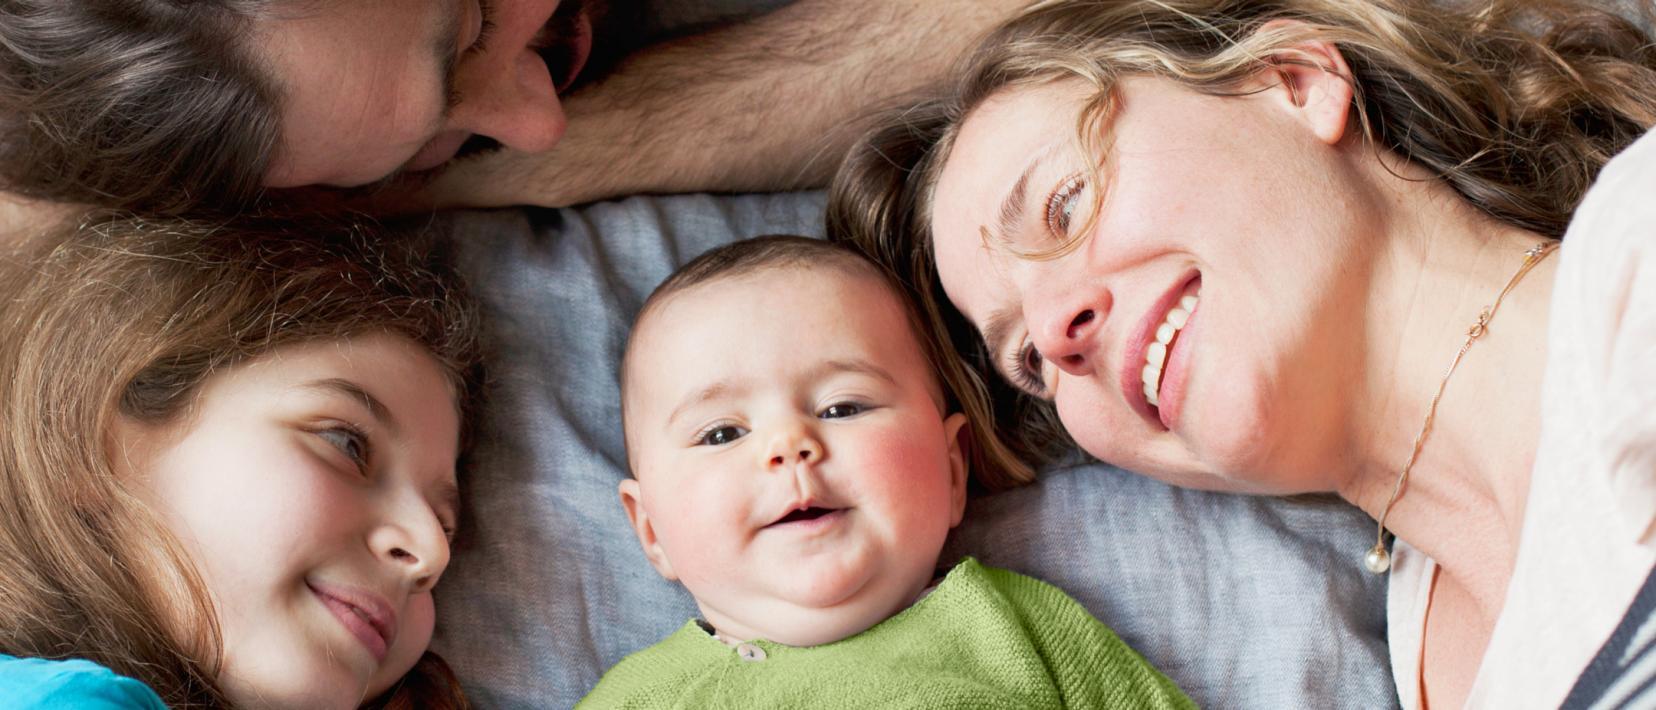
1176,371
362,87
320,568
823,508
1132,384
1242,193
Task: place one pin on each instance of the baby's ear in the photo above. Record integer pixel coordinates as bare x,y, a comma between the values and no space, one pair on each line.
957,434
632,500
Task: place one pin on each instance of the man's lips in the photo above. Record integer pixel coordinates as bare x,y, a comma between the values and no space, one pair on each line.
364,614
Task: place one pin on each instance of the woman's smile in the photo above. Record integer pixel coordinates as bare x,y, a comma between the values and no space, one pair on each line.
1148,365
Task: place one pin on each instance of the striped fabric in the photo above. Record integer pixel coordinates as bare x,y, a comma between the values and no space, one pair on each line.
1623,674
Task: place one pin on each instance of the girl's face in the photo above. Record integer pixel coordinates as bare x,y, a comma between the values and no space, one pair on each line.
1224,234
314,489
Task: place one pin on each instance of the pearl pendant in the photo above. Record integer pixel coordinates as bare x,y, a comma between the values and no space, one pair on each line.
1377,560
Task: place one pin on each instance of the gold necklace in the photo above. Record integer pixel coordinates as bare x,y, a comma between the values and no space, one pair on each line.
1378,560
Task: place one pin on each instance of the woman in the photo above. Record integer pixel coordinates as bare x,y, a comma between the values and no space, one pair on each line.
1246,245
229,466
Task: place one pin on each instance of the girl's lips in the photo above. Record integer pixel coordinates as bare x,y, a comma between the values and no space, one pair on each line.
365,615
1132,366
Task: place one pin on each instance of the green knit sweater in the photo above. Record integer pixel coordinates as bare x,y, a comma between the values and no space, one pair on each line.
984,638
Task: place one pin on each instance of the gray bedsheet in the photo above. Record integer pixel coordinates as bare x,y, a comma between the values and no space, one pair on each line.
1245,602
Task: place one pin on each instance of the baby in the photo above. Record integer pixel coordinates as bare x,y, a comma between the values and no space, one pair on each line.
797,466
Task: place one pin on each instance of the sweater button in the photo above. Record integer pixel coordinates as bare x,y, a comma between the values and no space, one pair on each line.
751,653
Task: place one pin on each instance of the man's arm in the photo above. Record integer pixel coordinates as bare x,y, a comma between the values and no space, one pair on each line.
768,104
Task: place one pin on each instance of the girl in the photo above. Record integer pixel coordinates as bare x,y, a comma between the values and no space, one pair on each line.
228,474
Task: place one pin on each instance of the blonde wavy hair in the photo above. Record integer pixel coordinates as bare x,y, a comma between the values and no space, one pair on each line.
128,318
1515,105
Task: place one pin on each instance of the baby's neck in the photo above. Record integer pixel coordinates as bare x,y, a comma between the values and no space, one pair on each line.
734,641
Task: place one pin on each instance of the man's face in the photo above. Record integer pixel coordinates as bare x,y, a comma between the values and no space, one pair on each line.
372,87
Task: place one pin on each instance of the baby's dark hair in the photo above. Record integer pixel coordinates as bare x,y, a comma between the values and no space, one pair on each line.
992,464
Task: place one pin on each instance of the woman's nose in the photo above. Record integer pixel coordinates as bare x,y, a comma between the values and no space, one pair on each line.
1067,330
415,545
517,107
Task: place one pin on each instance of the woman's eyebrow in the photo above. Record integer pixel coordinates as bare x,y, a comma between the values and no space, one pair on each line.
1012,207
999,328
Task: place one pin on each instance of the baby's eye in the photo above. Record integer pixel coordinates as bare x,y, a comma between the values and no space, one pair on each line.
719,436
349,442
841,410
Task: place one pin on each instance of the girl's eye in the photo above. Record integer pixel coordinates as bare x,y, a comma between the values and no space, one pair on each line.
1024,369
719,436
841,410
349,442
1061,205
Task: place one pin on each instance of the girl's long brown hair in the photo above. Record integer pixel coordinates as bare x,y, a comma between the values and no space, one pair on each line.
127,318
1515,105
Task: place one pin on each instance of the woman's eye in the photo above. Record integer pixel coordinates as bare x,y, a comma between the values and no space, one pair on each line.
719,436
1061,205
1025,369
351,443
841,410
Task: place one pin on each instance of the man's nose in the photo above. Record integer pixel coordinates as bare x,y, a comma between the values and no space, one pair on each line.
519,108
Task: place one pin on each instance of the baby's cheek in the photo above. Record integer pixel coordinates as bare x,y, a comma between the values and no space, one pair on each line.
911,465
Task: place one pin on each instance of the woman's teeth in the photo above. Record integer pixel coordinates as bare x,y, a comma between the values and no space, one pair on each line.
1155,357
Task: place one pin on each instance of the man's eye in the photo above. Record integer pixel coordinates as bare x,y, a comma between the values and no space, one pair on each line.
485,27
349,442
719,436
841,410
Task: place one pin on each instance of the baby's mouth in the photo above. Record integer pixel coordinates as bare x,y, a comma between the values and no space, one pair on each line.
806,515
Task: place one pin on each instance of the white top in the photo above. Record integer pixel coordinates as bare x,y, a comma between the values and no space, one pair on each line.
1586,545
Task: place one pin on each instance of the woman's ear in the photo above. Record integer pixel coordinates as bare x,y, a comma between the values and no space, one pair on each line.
1312,82
633,501
958,436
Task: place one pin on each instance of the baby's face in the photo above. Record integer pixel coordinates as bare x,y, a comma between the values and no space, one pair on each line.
793,468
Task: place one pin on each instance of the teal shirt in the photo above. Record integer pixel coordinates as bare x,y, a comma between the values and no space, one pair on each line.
29,683
984,638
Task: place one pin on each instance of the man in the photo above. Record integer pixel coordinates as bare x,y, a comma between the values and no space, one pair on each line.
178,108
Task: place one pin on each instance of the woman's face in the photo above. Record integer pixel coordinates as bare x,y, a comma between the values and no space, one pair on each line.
312,488
1224,232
